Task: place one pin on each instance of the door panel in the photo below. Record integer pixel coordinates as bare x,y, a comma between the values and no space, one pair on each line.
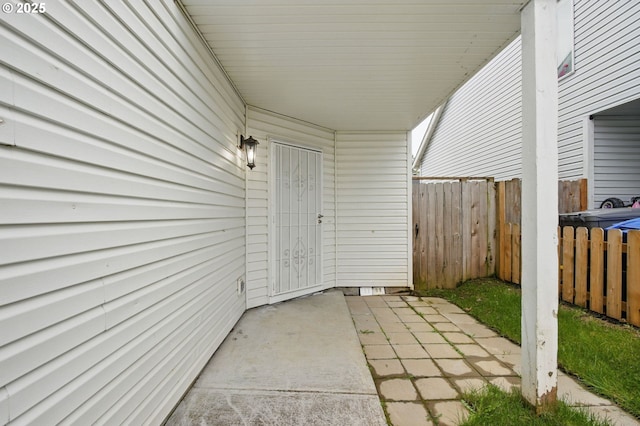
297,220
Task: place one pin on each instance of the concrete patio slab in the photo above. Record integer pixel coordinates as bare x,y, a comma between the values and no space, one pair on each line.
473,350
396,338
433,319
367,326
430,337
294,363
386,367
275,408
420,326
421,367
459,319
376,301
425,310
393,327
436,388
455,367
396,303
506,383
442,351
404,311
469,383
615,415
454,337
492,368
410,351
368,337
574,394
477,330
499,346
398,390
411,318
449,413
379,352
513,362
408,414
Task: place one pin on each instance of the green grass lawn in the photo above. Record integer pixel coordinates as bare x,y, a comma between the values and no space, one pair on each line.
603,355
492,406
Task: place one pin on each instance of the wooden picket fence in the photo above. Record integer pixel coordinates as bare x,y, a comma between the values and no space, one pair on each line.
470,227
453,231
572,197
597,273
455,222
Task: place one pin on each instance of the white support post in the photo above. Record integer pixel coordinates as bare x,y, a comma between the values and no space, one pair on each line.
539,204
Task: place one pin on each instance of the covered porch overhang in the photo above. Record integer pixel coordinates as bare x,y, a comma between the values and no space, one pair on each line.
353,65
376,66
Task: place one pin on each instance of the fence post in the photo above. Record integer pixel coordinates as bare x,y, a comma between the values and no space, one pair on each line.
501,225
515,253
417,247
614,274
491,227
582,253
584,196
633,278
456,231
448,280
465,196
430,234
596,296
508,251
568,242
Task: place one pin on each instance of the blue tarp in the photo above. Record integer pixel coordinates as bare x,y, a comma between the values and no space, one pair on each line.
627,225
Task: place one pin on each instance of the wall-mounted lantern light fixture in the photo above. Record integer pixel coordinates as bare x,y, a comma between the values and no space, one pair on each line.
250,145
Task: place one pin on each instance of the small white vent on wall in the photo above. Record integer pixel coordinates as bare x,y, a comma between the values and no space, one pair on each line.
371,291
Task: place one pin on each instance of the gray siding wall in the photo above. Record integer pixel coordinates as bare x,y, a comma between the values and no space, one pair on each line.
265,126
122,229
480,130
616,158
373,212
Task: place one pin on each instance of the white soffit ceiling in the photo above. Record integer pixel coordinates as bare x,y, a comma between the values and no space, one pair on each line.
354,64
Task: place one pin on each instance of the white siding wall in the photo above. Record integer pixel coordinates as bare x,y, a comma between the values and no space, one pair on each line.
122,230
373,193
607,63
616,158
479,132
263,126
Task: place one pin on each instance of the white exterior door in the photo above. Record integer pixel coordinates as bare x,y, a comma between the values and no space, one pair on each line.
297,237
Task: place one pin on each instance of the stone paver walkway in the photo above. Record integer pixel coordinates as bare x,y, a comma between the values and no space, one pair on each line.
423,352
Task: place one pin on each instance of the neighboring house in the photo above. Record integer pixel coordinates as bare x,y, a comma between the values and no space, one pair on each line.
479,130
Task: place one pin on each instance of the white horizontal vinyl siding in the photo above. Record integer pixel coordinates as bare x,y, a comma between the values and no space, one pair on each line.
479,132
607,63
122,230
266,126
372,208
616,158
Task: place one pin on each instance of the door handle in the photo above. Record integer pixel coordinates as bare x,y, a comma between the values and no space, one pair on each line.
320,218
